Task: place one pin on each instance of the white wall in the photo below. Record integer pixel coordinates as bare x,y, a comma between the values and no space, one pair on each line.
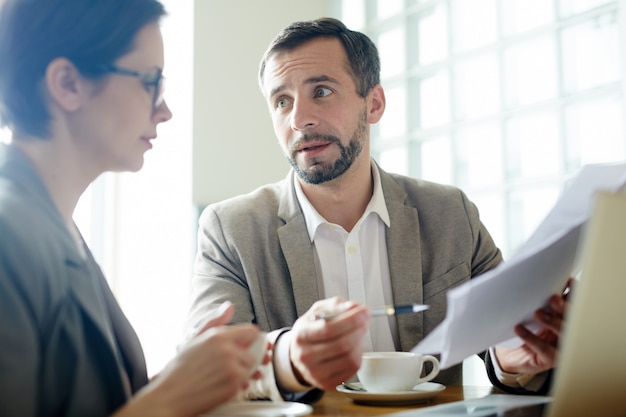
234,147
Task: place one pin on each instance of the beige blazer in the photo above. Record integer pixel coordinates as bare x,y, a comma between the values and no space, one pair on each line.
255,251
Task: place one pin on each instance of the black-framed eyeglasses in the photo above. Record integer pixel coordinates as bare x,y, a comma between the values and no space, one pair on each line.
156,82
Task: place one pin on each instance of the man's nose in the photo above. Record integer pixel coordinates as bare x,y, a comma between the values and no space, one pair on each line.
304,115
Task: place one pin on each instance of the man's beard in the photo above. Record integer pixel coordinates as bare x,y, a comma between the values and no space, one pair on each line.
321,172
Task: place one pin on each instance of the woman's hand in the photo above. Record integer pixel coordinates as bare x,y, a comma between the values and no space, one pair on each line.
209,370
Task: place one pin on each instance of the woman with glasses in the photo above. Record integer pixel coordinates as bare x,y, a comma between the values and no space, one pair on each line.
81,88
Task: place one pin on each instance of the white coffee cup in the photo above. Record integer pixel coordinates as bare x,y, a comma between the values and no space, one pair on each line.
394,371
258,349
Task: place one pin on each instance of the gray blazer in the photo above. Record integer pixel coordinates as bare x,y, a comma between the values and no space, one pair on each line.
255,251
66,348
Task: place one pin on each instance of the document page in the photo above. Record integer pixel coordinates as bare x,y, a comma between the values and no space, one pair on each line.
484,311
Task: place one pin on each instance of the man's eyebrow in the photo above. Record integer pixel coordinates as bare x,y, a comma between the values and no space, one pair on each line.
310,80
319,79
276,90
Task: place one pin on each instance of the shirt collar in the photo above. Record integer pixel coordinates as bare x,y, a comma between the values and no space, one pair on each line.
314,220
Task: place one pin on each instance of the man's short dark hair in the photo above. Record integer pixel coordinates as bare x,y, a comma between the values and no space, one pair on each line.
363,60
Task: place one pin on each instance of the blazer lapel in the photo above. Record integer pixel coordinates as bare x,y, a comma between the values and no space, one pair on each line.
296,247
83,276
405,262
86,292
132,356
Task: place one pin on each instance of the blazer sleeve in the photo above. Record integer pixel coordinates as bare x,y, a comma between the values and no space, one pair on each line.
486,254
218,276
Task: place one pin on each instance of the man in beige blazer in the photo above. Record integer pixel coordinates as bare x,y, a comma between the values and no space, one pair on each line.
340,226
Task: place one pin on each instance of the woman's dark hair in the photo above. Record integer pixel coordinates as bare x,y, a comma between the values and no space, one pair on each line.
90,33
363,60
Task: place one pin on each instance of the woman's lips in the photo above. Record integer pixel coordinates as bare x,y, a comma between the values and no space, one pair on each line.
148,140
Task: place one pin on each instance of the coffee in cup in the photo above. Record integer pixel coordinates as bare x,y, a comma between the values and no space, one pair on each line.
394,371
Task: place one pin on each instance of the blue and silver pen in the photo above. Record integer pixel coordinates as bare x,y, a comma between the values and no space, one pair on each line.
382,311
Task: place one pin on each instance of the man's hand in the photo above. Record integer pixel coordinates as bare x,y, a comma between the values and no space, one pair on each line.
324,353
539,351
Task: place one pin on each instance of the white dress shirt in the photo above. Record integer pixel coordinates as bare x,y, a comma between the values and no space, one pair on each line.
354,264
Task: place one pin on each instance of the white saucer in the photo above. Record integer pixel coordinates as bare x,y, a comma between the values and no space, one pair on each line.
260,409
419,393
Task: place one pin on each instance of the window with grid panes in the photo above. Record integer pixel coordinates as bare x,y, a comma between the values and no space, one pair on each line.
506,99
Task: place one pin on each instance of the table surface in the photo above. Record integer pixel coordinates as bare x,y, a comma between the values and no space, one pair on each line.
337,404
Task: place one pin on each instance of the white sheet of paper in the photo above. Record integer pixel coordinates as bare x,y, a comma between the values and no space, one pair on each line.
484,311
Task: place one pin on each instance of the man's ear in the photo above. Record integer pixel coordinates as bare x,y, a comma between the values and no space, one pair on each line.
376,104
64,84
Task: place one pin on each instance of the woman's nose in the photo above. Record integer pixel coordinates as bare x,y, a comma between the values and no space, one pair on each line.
162,113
